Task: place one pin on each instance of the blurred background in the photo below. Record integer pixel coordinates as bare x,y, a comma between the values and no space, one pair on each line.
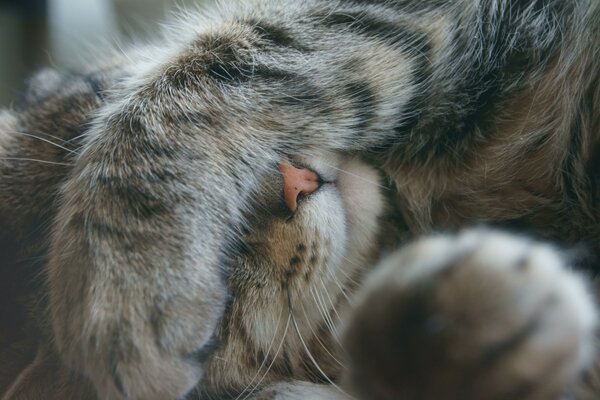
38,33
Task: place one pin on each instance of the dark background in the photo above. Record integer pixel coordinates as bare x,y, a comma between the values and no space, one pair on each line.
61,33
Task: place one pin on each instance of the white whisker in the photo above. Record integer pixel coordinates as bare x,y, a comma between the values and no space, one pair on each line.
339,285
348,277
76,137
310,356
320,303
330,326
44,140
331,303
38,132
264,361
272,361
35,160
362,178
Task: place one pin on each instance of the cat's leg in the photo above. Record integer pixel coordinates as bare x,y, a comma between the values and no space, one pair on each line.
479,315
300,390
132,339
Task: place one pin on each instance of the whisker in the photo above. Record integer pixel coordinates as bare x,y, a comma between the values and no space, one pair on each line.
339,285
348,277
312,359
203,395
259,370
362,178
331,303
332,330
77,137
46,134
43,140
354,263
320,303
287,325
36,160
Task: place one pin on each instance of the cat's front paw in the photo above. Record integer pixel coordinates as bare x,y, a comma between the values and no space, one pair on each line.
479,315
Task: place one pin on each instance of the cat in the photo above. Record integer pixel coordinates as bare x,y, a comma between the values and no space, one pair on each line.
146,213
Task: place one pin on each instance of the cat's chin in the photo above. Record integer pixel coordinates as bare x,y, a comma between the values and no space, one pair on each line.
346,210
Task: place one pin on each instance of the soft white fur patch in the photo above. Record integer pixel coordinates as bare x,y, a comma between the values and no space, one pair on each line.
362,194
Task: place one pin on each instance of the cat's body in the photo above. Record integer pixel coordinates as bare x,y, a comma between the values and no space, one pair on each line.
165,195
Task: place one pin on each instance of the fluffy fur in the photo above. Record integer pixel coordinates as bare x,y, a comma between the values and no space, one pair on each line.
148,254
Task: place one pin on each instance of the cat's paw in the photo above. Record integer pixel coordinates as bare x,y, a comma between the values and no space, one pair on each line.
156,354
479,315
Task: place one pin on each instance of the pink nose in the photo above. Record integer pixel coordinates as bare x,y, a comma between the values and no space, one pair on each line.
297,182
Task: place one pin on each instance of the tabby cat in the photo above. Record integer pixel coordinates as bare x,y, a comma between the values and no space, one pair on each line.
247,208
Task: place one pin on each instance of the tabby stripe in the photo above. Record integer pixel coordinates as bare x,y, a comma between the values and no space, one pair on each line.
83,223
153,176
413,110
144,194
414,43
405,5
95,84
292,89
277,35
364,102
146,139
371,26
503,64
236,72
475,100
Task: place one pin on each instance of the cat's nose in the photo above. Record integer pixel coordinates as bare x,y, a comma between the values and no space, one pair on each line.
297,182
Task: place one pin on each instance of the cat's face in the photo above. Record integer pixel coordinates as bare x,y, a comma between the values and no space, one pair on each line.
290,272
294,268
289,277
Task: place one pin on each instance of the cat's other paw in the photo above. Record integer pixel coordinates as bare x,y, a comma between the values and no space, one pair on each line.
479,315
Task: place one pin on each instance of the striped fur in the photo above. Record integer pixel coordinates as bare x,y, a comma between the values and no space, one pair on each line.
146,208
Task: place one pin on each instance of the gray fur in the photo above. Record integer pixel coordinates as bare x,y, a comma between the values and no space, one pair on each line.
474,110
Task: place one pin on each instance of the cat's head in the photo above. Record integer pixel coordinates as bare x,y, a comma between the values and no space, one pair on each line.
313,227
290,261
